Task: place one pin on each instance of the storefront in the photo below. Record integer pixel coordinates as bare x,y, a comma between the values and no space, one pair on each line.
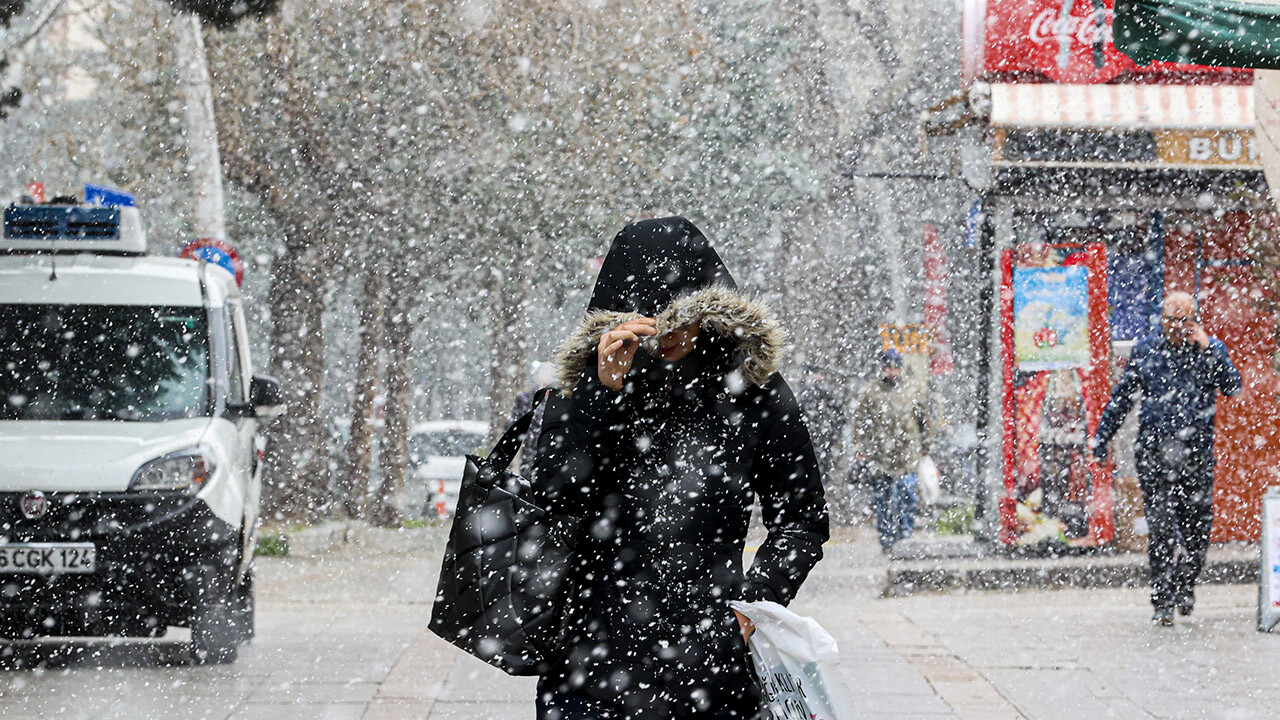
1104,198
1103,184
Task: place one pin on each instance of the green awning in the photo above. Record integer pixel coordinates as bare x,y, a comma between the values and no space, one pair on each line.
1199,32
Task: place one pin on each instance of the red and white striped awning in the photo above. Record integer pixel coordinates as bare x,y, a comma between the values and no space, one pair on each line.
1122,106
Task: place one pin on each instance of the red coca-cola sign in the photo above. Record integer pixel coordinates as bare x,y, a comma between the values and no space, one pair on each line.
1062,41
1049,25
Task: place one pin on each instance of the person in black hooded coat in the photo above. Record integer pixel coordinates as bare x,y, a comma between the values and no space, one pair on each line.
666,468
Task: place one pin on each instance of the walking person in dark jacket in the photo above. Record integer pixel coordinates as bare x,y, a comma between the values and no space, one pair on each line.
678,420
825,415
1180,373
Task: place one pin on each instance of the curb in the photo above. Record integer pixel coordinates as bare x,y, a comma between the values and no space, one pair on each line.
333,535
1127,570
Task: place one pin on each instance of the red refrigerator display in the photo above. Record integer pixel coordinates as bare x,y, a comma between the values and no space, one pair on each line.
1055,354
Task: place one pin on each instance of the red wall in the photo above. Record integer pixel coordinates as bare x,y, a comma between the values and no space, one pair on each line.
1247,442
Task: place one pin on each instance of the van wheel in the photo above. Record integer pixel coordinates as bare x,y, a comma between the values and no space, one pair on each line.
214,631
244,609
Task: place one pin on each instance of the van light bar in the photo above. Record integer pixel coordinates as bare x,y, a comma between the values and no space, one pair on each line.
37,222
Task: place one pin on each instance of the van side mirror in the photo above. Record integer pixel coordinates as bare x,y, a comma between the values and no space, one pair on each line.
265,396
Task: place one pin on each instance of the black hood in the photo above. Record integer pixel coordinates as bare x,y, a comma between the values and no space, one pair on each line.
651,262
666,269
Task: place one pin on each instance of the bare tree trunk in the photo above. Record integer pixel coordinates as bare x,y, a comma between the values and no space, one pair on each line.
201,129
299,480
894,248
354,490
393,455
509,347
297,469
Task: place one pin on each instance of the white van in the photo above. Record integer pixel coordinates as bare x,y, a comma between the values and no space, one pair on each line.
130,446
437,452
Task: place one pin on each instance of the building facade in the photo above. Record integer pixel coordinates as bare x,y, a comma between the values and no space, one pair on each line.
1103,185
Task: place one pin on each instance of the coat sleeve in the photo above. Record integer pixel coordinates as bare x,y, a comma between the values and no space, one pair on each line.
1225,375
1122,399
575,445
786,478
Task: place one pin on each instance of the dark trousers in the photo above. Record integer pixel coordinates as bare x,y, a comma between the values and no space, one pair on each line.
1177,492
894,501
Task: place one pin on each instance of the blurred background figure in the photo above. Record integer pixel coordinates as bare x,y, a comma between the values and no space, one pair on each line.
825,414
890,429
543,375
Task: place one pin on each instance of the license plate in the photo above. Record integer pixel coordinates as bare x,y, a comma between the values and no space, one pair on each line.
47,558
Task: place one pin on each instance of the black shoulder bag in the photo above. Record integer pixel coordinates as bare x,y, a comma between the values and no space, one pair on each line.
503,579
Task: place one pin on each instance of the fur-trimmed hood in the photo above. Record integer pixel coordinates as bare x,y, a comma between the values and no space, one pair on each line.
720,310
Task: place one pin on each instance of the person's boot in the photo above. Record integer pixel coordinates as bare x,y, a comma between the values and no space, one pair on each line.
1163,617
1186,604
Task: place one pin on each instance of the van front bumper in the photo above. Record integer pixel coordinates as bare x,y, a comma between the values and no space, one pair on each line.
146,546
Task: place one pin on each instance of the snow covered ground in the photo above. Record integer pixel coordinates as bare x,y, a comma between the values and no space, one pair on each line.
342,635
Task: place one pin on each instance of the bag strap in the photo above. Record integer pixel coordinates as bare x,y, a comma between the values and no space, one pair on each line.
509,444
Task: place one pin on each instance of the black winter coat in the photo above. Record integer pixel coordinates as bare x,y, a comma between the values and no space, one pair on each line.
1180,386
667,471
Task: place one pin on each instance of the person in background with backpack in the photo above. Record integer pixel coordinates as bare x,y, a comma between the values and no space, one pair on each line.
890,424
676,422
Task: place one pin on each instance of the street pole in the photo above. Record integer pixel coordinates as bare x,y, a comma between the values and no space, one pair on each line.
891,241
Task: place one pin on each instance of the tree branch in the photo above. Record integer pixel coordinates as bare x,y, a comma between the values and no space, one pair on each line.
43,18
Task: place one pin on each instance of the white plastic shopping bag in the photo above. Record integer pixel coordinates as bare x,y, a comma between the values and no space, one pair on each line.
928,480
797,664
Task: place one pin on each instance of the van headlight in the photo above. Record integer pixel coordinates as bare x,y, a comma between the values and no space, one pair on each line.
183,470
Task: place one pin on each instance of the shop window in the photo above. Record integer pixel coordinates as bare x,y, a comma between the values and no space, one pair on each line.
1128,272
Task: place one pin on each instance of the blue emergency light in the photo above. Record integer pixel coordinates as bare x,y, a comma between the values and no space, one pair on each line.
107,196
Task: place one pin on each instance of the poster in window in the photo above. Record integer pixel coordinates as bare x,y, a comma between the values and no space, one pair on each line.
1050,318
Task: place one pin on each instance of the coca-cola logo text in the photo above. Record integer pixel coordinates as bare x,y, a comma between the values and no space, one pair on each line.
1049,26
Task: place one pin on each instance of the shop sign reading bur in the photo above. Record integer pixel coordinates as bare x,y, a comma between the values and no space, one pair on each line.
1269,575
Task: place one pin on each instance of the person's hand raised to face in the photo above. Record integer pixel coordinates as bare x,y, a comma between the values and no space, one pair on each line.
1181,326
1199,336
617,350
1177,327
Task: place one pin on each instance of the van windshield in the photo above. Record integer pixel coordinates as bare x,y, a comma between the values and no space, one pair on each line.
103,362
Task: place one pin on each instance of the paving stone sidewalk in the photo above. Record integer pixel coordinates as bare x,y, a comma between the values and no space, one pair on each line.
342,635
